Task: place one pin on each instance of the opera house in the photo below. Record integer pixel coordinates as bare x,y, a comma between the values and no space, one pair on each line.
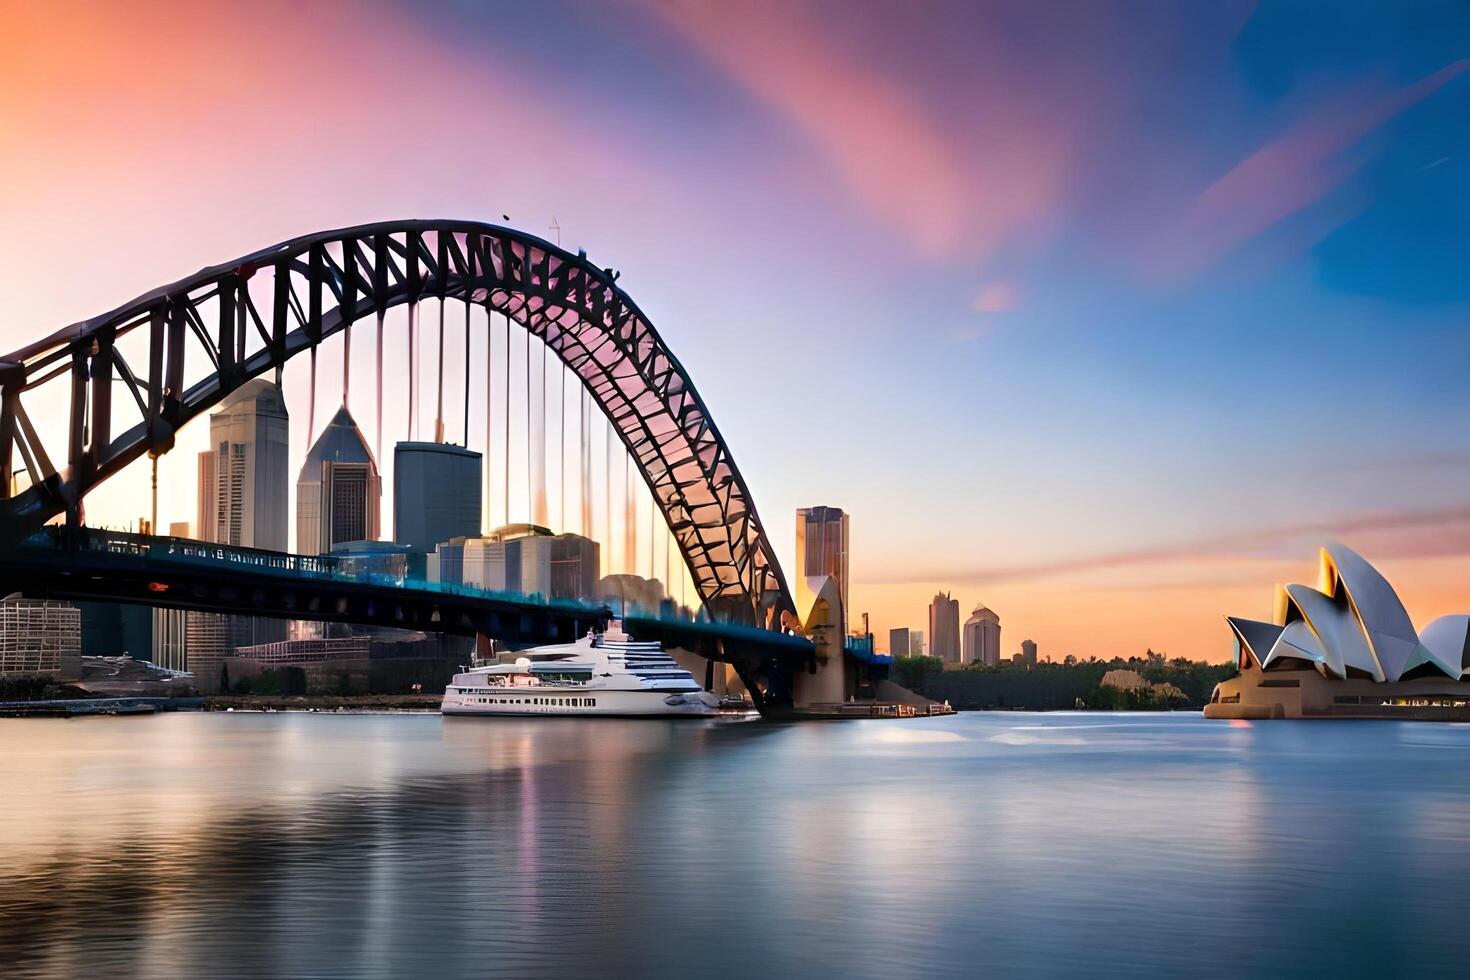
1346,649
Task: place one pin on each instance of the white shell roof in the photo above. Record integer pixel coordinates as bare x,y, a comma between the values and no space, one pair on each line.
1354,620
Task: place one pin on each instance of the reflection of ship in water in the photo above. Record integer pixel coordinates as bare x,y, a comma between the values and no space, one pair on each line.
600,674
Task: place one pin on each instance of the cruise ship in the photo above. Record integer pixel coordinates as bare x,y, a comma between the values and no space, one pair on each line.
601,674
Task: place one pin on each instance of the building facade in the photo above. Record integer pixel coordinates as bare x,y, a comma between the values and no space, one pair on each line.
574,565
944,628
982,638
40,636
631,593
339,492
244,487
522,558
898,642
821,547
244,477
436,494
208,639
170,638
1028,652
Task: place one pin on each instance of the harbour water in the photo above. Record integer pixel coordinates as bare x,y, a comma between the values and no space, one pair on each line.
188,845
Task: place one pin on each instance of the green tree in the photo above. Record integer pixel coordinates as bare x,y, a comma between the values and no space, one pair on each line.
912,672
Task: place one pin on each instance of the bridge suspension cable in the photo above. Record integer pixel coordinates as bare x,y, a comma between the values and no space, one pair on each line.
253,314
380,388
346,365
439,410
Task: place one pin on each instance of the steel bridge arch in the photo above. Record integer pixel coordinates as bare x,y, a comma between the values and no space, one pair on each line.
252,315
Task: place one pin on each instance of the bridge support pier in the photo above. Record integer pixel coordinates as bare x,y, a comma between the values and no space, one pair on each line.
819,605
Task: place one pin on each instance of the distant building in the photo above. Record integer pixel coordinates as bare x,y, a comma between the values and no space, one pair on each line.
821,546
574,564
944,628
916,643
179,529
115,629
244,477
40,636
286,653
436,494
898,642
170,637
446,562
244,487
208,639
339,493
373,560
631,593
522,558
1028,652
982,638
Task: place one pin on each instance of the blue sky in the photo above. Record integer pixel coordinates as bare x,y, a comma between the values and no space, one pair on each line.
1022,286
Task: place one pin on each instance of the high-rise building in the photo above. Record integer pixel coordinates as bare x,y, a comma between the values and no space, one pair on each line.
821,546
436,494
338,494
208,639
244,487
944,628
170,637
1028,652
40,636
574,564
898,642
982,638
207,512
916,643
244,477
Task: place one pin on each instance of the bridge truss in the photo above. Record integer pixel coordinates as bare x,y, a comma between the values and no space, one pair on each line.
250,316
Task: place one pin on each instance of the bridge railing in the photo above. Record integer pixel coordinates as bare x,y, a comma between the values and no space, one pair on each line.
171,551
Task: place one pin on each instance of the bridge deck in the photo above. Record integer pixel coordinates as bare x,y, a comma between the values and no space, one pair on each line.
178,573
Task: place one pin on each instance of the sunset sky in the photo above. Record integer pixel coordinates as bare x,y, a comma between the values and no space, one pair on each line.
1103,315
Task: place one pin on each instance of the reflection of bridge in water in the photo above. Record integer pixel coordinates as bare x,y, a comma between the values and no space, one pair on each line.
180,350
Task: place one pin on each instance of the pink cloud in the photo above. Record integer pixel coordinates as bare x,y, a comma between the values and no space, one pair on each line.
1287,175
998,297
904,158
1378,535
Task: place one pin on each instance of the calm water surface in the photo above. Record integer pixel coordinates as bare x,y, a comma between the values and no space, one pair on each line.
989,844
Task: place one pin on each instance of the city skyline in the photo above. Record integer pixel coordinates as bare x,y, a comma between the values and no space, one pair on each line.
1114,273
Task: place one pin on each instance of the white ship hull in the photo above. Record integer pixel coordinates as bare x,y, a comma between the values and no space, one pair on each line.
602,676
603,703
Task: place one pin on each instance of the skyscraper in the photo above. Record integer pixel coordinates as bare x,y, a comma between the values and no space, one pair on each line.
339,493
574,564
982,638
244,477
244,486
1028,652
821,547
898,642
436,494
944,628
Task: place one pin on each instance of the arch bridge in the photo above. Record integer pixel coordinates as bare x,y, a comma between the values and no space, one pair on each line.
244,318
131,378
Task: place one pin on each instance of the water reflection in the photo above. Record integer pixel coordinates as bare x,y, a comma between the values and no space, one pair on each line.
986,844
